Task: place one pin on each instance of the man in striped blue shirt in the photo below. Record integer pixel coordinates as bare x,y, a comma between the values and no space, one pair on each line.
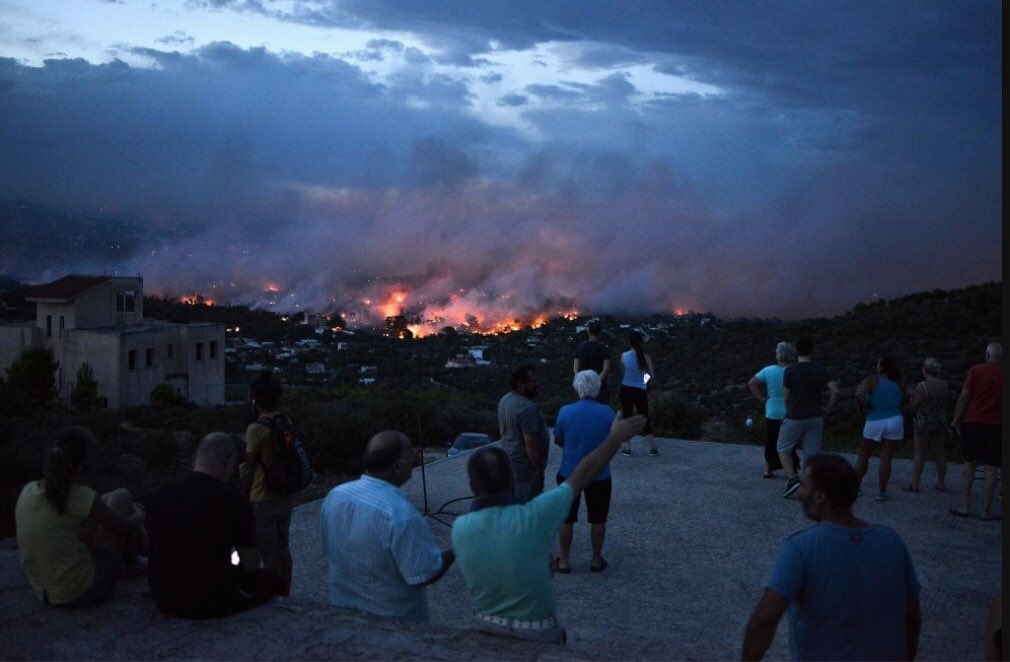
379,549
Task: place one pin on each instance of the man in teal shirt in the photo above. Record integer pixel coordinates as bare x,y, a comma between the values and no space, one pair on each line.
503,547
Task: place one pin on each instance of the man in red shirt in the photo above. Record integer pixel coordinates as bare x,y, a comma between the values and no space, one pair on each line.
978,419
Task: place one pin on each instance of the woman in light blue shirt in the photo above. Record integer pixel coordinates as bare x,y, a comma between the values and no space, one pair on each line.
882,398
766,386
636,371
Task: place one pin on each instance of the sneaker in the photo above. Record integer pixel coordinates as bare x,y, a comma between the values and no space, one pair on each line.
654,451
882,496
792,485
626,451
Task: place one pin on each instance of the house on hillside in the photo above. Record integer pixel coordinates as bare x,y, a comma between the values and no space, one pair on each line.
100,320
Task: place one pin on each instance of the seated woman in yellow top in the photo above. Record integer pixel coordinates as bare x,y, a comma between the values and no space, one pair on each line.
73,542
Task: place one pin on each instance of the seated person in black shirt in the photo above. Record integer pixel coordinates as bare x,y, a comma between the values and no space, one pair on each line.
194,524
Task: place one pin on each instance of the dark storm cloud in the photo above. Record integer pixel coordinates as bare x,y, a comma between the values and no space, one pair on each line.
853,149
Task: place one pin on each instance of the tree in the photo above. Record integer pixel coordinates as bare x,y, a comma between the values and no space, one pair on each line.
33,374
163,395
84,396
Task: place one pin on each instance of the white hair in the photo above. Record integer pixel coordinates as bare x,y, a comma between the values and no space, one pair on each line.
995,350
785,352
587,384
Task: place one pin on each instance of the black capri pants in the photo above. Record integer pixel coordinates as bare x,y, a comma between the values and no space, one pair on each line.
597,496
636,398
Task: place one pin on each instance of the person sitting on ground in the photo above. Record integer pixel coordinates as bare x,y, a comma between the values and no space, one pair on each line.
803,386
579,429
195,524
851,585
636,371
503,546
980,405
767,387
930,399
379,550
882,397
73,543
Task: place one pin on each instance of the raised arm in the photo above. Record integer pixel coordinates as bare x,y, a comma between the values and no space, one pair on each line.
592,464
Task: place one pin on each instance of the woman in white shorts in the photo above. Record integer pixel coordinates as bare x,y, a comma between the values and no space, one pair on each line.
882,398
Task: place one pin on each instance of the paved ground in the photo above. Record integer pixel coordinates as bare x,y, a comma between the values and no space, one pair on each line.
692,536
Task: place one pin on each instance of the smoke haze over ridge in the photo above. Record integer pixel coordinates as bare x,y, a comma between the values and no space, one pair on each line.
790,172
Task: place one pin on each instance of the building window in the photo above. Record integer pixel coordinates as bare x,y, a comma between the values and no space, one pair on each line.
213,350
49,326
149,357
199,351
126,301
171,350
131,359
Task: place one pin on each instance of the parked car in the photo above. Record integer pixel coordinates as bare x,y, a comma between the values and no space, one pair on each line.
467,441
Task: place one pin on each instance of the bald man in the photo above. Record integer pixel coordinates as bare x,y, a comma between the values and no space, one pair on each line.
194,524
379,549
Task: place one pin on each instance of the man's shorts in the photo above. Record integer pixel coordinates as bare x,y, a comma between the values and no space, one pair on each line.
983,443
892,429
803,433
597,496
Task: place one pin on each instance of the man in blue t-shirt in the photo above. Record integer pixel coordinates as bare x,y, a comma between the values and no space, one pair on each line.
850,586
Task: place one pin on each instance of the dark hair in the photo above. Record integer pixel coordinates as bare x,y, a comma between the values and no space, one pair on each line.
384,450
804,346
635,340
490,471
63,457
265,390
595,328
520,375
889,366
833,475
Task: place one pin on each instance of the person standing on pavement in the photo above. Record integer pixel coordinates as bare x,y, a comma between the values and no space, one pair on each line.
594,354
524,433
803,427
766,386
636,371
978,420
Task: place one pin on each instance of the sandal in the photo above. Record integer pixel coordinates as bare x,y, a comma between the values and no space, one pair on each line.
599,568
911,488
955,511
567,570
768,474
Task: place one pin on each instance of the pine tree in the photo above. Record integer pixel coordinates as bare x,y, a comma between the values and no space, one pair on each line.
84,396
33,374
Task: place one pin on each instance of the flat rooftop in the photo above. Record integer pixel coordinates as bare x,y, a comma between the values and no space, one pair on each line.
690,541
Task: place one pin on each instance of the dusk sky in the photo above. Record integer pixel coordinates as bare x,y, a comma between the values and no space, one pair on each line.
783,159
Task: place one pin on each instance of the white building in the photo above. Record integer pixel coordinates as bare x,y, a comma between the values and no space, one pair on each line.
100,320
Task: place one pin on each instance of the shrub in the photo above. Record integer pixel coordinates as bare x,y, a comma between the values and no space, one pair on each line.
672,417
84,396
33,375
163,395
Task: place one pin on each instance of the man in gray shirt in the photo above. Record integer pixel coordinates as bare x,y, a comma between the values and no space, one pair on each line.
524,434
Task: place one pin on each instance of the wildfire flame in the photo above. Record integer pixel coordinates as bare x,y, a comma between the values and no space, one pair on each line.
196,300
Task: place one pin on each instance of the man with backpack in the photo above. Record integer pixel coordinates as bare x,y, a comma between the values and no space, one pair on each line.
274,467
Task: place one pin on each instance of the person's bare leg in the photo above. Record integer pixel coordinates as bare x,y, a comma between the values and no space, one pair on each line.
939,443
988,491
920,460
565,536
863,461
597,533
967,476
884,472
787,464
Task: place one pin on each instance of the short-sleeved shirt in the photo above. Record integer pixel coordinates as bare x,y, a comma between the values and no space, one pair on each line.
57,562
518,415
849,590
193,525
504,554
581,427
379,550
985,383
884,400
591,355
806,381
258,440
775,404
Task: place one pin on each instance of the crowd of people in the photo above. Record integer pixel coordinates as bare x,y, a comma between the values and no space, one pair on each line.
213,550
